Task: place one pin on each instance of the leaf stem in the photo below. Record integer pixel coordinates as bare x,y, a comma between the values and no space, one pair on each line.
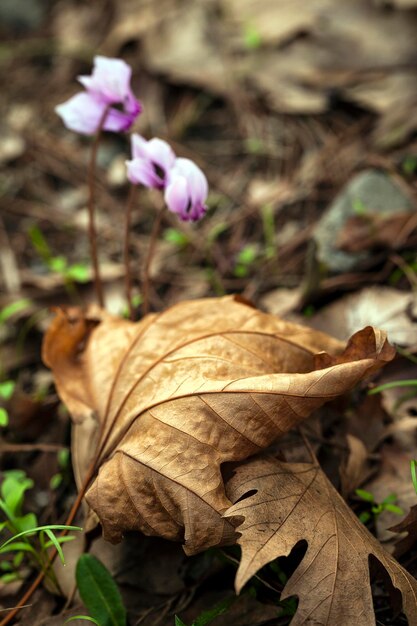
126,243
92,234
151,251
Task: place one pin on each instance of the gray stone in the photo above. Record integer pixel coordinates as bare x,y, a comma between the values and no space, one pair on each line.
370,192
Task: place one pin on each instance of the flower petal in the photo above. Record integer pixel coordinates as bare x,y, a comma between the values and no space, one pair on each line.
110,79
140,172
161,153
156,155
82,113
117,121
197,182
177,198
196,187
138,146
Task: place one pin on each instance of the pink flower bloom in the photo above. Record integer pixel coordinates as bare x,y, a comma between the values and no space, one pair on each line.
109,84
151,162
187,190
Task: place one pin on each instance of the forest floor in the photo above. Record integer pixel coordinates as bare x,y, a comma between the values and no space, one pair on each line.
306,134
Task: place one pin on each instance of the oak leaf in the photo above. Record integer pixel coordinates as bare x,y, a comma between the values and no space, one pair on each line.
279,504
178,394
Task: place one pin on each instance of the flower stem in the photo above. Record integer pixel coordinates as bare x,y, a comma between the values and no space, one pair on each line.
151,251
128,277
92,234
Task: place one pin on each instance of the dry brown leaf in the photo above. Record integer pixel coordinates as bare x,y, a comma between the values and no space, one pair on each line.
356,468
407,525
179,393
384,307
294,502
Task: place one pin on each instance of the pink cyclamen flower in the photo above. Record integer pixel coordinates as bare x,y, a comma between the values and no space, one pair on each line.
187,190
151,162
108,85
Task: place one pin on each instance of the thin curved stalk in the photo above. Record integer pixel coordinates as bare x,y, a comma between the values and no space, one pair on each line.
126,245
92,234
149,257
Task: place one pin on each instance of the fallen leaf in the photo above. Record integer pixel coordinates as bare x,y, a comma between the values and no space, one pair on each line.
390,309
182,392
356,467
407,525
294,502
282,301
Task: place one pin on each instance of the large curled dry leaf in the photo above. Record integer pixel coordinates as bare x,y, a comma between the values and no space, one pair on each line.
181,392
294,502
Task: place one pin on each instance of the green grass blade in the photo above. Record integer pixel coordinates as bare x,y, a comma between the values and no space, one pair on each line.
48,532
60,540
393,385
37,529
87,618
15,546
13,308
208,616
413,464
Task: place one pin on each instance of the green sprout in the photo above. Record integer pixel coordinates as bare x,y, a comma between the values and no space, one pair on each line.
309,310
268,224
245,258
409,165
254,145
409,266
176,237
28,540
252,37
375,508
206,617
413,469
71,273
137,300
63,463
6,391
14,307
359,207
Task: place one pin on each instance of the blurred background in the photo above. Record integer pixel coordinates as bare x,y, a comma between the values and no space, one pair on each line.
303,116
283,104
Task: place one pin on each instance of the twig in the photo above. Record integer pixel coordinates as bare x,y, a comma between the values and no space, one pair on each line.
128,277
92,234
151,250
8,265
11,608
406,269
30,447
